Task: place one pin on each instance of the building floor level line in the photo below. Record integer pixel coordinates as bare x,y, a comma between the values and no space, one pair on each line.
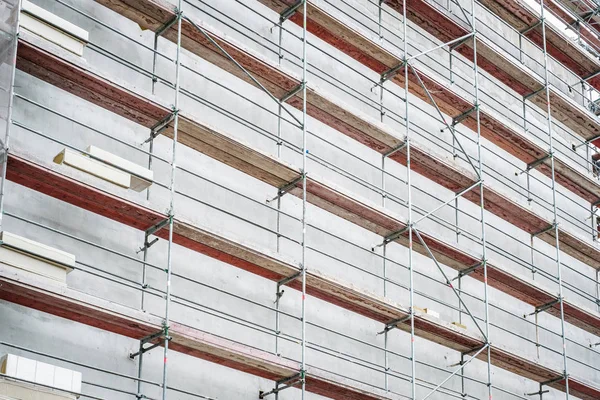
583,25
376,136
581,14
230,151
328,28
223,147
353,43
508,71
524,19
275,268
77,306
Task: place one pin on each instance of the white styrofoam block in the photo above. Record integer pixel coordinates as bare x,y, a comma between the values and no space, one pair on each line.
25,368
37,372
50,33
36,258
13,390
86,164
141,178
44,15
54,21
67,379
38,249
44,374
32,265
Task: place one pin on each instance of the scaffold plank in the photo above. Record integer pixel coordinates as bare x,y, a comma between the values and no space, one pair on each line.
38,293
367,216
568,11
356,45
275,267
522,17
319,194
490,58
353,43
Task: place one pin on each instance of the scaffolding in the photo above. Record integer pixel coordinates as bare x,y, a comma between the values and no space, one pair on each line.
428,65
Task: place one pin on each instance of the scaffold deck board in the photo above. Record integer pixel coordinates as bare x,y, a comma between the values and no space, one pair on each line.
83,308
38,293
435,21
328,28
361,48
359,127
567,10
319,194
522,17
275,267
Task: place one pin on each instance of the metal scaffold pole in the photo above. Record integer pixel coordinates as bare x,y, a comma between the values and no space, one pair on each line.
9,111
554,207
481,203
304,160
409,200
172,200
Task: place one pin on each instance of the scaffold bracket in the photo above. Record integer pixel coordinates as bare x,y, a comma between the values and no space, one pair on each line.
160,126
540,232
147,245
458,119
391,237
395,149
474,350
588,141
390,73
288,12
588,15
147,339
456,45
292,92
157,227
289,279
544,307
468,271
530,28
286,188
534,164
538,393
286,383
551,381
525,97
394,324
169,23
590,76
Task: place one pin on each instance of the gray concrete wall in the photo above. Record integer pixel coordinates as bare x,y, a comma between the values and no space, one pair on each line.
212,203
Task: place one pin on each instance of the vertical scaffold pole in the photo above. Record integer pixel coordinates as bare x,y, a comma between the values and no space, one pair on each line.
278,222
10,87
304,151
172,200
481,203
554,209
386,361
413,386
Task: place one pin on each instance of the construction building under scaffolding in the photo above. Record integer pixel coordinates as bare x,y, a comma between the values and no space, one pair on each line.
290,199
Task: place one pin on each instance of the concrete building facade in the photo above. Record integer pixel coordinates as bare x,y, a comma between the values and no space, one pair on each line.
283,242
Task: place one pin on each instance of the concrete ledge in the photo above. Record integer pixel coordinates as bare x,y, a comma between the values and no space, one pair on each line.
93,167
140,178
53,28
34,257
34,380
